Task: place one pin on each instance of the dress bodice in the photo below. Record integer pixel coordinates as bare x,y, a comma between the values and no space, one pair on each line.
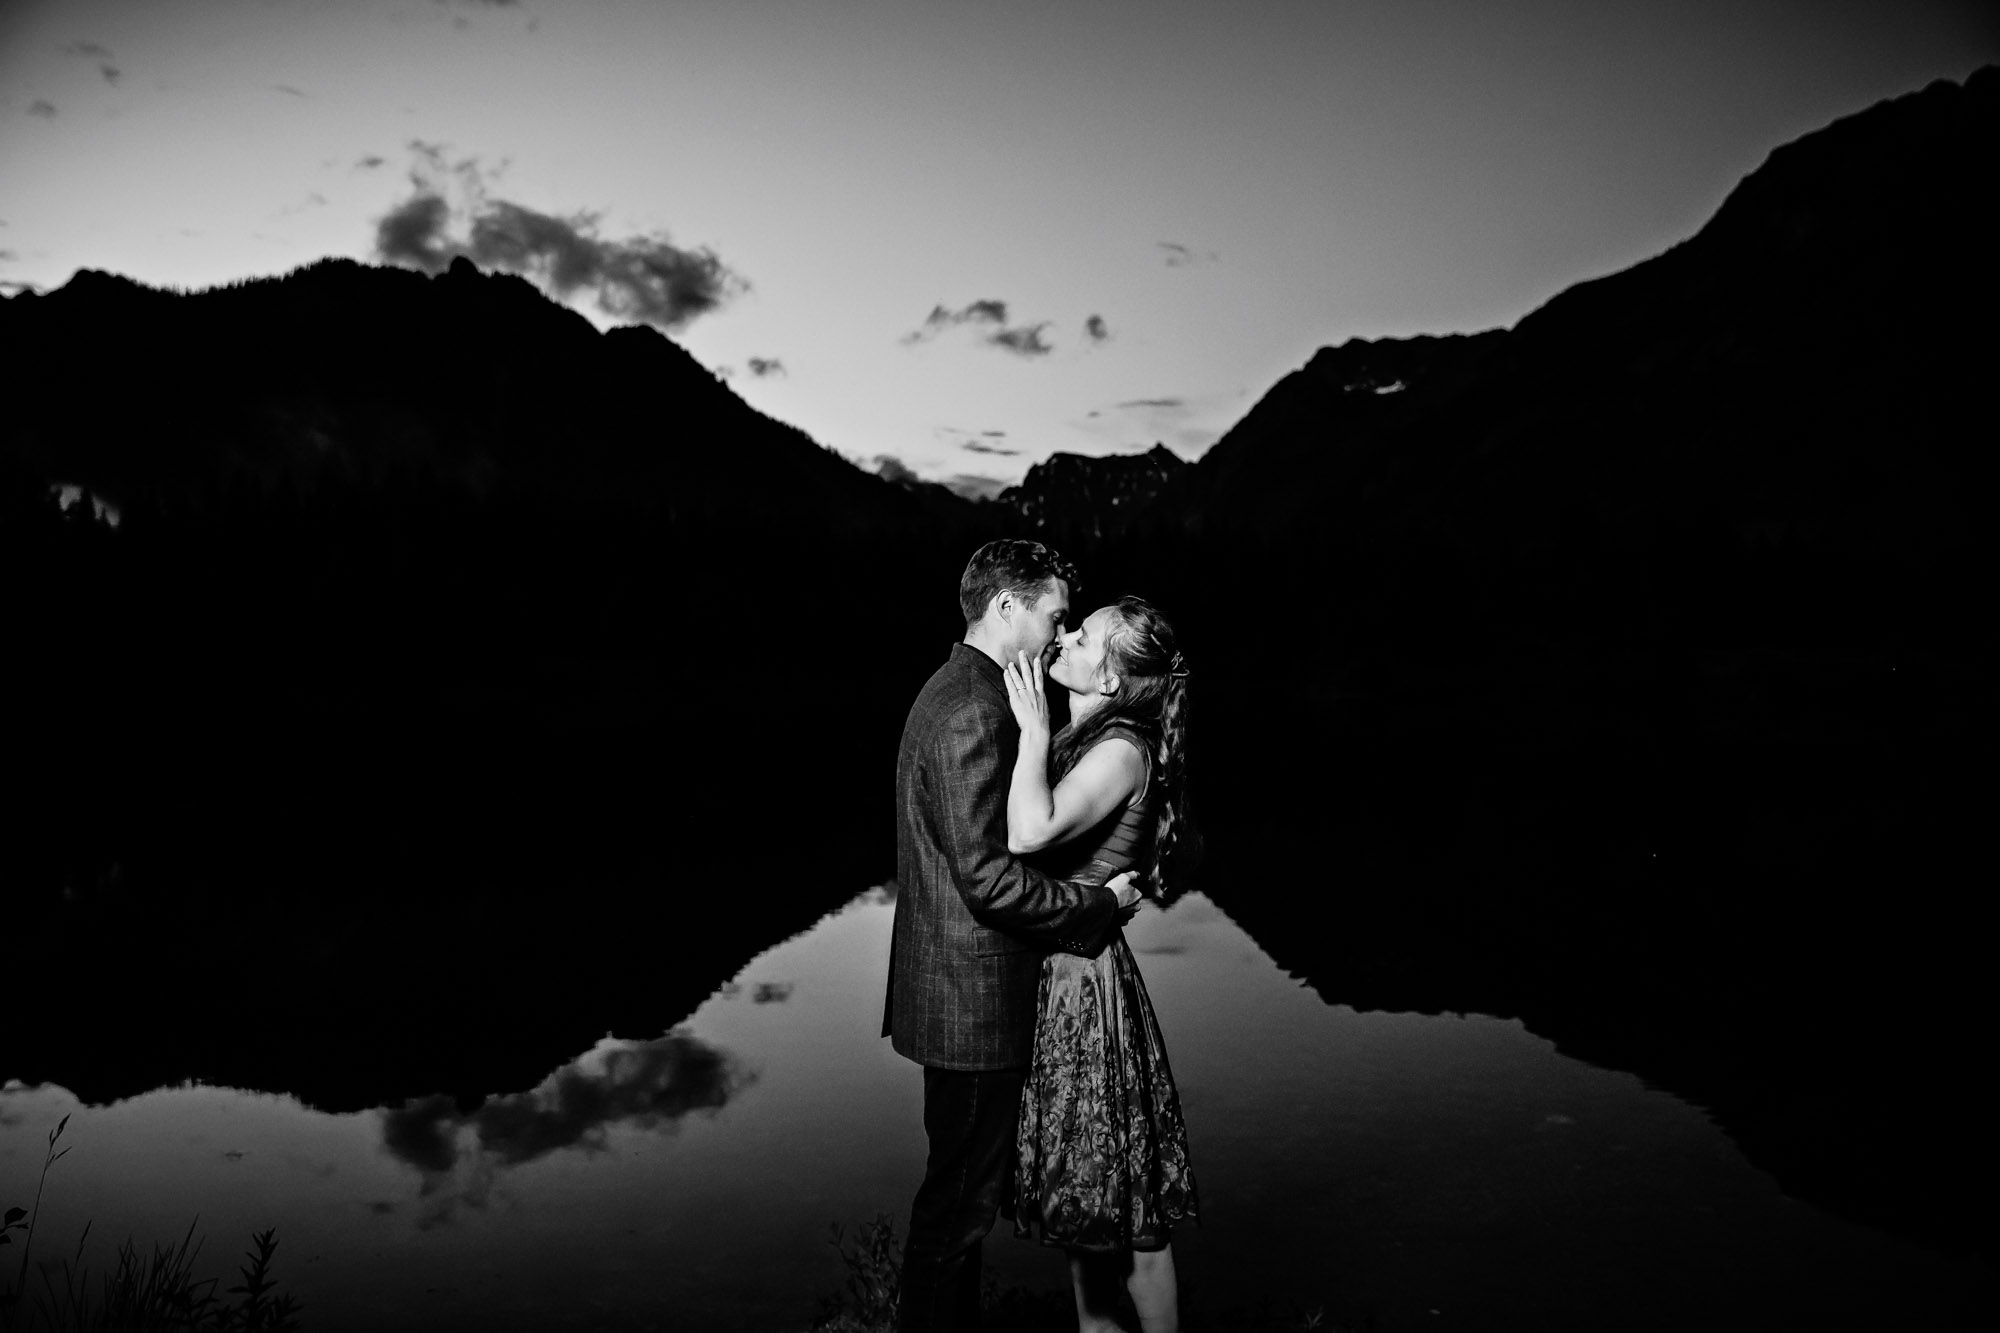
1123,839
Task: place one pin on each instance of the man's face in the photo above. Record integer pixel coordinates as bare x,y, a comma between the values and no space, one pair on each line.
1036,627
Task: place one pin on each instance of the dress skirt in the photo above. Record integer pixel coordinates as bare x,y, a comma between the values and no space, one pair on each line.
1101,1149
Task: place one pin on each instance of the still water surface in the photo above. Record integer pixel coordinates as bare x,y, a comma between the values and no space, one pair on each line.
1404,1170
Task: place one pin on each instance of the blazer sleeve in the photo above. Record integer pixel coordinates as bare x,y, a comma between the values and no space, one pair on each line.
972,767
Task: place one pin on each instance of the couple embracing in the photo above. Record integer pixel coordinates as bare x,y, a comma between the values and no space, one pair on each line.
1020,855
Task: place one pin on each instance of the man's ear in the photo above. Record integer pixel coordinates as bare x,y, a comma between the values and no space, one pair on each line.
1003,605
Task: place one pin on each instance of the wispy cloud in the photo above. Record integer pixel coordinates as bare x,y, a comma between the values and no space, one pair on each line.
1185,256
763,367
461,23
369,162
1095,330
1027,340
97,51
450,211
42,107
287,90
1183,423
975,442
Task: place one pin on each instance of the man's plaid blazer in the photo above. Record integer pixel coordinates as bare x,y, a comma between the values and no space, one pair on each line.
972,920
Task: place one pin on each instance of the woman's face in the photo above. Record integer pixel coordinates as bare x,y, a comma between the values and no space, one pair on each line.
1079,661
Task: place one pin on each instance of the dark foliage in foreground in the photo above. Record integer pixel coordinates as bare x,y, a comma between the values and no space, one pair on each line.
155,1294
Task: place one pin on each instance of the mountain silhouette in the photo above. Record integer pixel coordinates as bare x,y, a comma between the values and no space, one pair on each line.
1798,377
347,378
1071,498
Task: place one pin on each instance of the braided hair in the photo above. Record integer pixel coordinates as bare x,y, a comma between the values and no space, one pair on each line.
1152,699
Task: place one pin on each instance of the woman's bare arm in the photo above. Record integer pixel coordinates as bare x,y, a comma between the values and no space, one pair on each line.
1038,817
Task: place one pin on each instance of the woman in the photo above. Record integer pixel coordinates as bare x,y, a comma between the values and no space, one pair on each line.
1102,1165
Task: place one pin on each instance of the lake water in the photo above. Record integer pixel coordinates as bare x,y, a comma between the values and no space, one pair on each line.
1395,1171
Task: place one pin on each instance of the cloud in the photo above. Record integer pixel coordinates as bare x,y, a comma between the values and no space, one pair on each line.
413,232
95,51
981,447
762,367
460,23
369,162
644,278
940,319
1021,339
432,170
287,90
1096,330
1026,340
1132,403
1183,256
891,468
42,107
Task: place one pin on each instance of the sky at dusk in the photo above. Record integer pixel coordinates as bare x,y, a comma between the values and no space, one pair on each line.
967,235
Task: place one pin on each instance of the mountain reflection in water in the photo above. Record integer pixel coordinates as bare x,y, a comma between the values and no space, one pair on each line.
1398,1168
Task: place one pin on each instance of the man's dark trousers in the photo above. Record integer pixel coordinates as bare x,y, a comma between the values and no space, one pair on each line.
969,1117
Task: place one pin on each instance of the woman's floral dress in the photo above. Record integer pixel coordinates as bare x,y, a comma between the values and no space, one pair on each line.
1102,1157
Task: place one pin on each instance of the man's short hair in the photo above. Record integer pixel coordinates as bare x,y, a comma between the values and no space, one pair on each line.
1014,565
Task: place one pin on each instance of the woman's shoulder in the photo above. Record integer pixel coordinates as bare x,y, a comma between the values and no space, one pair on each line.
1123,750
1131,735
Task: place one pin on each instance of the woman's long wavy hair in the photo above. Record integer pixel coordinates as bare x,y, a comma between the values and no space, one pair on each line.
1152,699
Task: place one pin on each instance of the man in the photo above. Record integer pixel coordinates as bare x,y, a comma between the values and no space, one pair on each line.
972,924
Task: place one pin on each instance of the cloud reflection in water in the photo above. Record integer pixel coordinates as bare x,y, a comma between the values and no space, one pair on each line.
645,1084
